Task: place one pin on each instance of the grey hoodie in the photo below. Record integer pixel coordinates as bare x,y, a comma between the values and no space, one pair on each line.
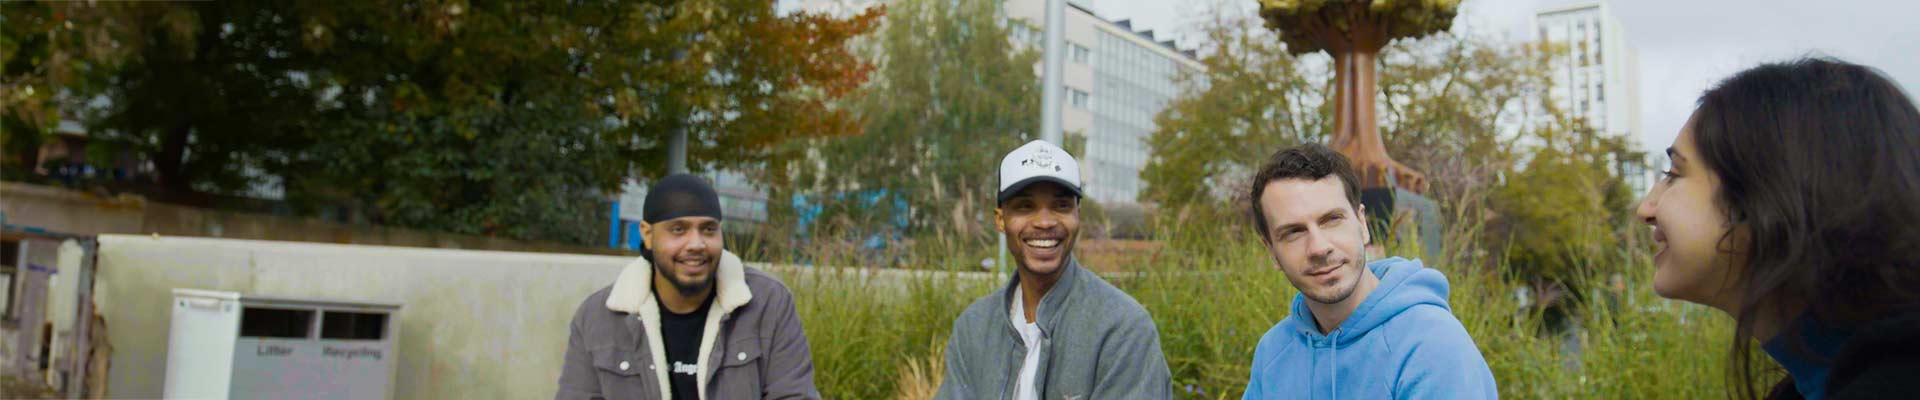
1096,343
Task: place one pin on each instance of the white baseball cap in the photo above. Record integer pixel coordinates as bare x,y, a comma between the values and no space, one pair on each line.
1037,161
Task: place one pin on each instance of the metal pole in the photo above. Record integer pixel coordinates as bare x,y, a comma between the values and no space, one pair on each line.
1052,82
1052,90
677,141
677,151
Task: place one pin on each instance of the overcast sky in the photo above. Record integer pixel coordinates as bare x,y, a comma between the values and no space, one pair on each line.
1683,46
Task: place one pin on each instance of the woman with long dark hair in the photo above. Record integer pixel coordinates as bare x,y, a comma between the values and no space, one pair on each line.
1793,205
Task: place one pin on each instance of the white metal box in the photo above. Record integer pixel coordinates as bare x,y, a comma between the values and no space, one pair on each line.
224,345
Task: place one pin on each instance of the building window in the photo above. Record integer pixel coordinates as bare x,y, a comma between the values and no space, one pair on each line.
1079,98
1080,53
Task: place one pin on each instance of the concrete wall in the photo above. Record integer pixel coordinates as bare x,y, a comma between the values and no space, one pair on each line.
68,211
474,324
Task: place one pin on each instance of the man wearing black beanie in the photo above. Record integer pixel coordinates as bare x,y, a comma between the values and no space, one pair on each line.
687,320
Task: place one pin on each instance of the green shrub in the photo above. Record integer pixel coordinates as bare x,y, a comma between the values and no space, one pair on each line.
1213,292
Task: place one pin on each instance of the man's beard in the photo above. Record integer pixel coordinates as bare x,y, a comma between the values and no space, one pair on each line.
690,288
1360,260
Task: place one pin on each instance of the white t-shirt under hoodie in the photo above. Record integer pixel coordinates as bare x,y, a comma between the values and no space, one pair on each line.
1026,389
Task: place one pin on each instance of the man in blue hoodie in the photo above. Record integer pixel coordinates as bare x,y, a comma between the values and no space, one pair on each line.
1358,329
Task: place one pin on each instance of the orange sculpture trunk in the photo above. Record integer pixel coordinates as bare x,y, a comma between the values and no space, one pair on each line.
1356,128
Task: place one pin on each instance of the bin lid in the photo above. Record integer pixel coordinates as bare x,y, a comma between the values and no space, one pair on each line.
302,302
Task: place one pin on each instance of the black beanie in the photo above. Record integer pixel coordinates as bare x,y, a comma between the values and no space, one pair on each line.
680,195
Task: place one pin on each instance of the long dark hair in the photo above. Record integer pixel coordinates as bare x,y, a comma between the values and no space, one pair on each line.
1819,163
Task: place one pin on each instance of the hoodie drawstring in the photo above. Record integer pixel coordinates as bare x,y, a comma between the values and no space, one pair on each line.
1335,343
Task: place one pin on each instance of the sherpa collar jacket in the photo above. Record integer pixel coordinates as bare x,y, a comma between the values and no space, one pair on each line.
754,344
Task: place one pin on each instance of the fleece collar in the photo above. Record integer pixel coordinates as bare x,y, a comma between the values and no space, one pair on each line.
633,290
633,294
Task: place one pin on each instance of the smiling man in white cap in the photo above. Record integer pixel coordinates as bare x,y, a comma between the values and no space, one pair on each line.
1055,330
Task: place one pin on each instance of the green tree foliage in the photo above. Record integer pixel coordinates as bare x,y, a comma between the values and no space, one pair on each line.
1308,26
952,95
1472,113
1453,106
1458,108
1253,98
210,91
488,117
1565,206
50,52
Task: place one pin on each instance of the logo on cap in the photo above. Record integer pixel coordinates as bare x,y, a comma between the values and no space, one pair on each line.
1041,158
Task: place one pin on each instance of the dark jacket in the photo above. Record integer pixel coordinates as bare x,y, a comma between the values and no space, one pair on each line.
1097,343
1881,361
753,341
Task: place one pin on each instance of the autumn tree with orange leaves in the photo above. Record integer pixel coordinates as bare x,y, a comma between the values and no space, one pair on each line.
506,118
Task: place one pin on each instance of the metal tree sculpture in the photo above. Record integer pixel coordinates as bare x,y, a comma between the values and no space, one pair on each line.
1353,31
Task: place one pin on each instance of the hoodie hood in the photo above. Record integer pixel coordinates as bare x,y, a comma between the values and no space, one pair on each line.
1404,284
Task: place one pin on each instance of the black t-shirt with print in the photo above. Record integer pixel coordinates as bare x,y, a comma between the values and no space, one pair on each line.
680,333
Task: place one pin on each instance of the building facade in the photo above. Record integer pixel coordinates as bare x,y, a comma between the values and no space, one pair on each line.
1117,79
1595,72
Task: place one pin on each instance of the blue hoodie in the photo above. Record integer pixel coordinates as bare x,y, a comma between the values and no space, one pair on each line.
1401,343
